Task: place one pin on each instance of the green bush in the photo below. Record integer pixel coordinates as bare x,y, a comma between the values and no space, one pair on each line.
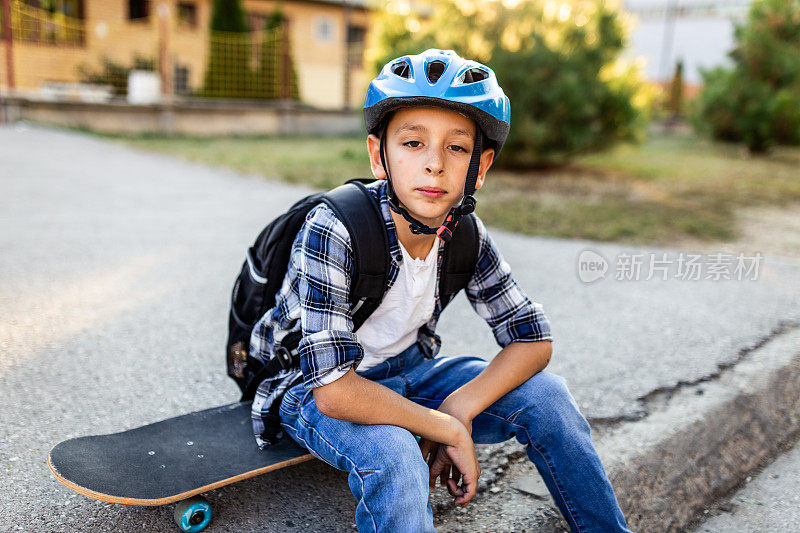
757,101
570,93
114,74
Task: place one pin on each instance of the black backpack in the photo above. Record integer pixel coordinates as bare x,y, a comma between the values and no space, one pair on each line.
267,261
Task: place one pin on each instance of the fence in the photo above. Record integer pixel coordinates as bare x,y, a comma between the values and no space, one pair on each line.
52,54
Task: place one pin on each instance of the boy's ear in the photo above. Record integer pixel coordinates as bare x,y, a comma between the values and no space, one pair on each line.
487,158
374,149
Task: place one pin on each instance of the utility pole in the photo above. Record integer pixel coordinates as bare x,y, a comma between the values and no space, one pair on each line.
666,45
9,54
163,50
348,11
9,44
286,65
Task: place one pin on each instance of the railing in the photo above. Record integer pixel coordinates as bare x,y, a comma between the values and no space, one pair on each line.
37,25
278,62
674,9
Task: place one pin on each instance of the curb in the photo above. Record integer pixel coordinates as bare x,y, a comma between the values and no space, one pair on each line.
667,467
698,442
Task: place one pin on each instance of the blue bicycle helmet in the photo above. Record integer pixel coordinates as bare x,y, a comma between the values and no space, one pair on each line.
440,78
445,79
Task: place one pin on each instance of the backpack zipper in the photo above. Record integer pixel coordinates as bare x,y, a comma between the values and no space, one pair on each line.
358,305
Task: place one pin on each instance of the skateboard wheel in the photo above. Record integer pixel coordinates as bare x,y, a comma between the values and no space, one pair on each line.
192,515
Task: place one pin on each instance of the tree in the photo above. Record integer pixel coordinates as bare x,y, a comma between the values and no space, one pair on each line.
557,62
228,72
676,93
757,101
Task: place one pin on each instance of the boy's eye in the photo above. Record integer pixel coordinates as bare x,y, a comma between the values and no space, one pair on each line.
415,144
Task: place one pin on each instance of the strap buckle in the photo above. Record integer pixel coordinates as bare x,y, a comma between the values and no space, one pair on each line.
284,357
444,232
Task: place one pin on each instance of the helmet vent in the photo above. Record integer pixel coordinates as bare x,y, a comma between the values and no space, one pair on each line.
474,75
435,70
401,69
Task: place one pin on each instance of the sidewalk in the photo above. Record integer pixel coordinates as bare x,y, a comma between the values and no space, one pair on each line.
116,272
767,501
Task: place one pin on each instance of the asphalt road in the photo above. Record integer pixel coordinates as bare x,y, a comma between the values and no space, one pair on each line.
115,273
768,501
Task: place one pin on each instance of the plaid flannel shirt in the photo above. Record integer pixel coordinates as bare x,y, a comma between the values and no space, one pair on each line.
314,297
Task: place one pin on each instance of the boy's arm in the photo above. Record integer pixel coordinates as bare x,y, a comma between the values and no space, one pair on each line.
514,365
519,325
362,401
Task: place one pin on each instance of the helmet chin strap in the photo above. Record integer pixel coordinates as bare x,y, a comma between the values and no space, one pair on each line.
467,205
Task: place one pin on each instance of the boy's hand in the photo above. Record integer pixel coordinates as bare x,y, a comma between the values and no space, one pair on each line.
457,409
454,463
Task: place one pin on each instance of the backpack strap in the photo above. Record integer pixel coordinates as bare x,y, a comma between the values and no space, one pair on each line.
370,241
460,259
283,360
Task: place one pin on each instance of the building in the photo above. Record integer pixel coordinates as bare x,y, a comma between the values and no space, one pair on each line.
697,32
60,41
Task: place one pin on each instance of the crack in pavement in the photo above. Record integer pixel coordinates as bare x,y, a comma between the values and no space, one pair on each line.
658,398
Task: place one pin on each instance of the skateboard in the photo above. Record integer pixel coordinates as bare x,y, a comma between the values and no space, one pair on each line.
170,461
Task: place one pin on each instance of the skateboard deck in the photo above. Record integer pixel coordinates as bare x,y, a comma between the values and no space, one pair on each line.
170,460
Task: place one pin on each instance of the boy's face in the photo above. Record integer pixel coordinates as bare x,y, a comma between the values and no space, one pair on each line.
428,147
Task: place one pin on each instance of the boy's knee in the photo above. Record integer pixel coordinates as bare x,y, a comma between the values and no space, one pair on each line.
548,406
543,388
393,462
399,454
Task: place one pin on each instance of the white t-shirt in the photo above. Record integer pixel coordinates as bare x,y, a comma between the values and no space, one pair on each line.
408,304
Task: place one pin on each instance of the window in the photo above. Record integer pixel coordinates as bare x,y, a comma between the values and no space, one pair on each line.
181,80
187,14
138,9
355,45
324,29
355,34
70,8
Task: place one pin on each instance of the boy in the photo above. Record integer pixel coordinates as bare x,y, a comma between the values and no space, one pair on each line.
435,123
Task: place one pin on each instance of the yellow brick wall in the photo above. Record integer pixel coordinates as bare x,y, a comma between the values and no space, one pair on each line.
108,33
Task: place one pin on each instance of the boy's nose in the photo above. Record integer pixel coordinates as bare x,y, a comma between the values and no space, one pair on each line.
434,165
434,169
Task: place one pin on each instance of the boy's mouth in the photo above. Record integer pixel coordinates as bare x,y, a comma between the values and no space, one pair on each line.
431,192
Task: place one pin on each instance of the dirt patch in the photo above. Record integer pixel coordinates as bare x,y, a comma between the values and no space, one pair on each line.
773,231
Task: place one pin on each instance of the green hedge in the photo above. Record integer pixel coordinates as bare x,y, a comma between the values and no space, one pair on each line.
569,91
757,101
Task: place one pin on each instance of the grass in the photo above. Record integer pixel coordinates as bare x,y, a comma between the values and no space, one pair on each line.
322,162
671,188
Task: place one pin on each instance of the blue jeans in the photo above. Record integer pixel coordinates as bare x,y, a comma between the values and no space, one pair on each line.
389,478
